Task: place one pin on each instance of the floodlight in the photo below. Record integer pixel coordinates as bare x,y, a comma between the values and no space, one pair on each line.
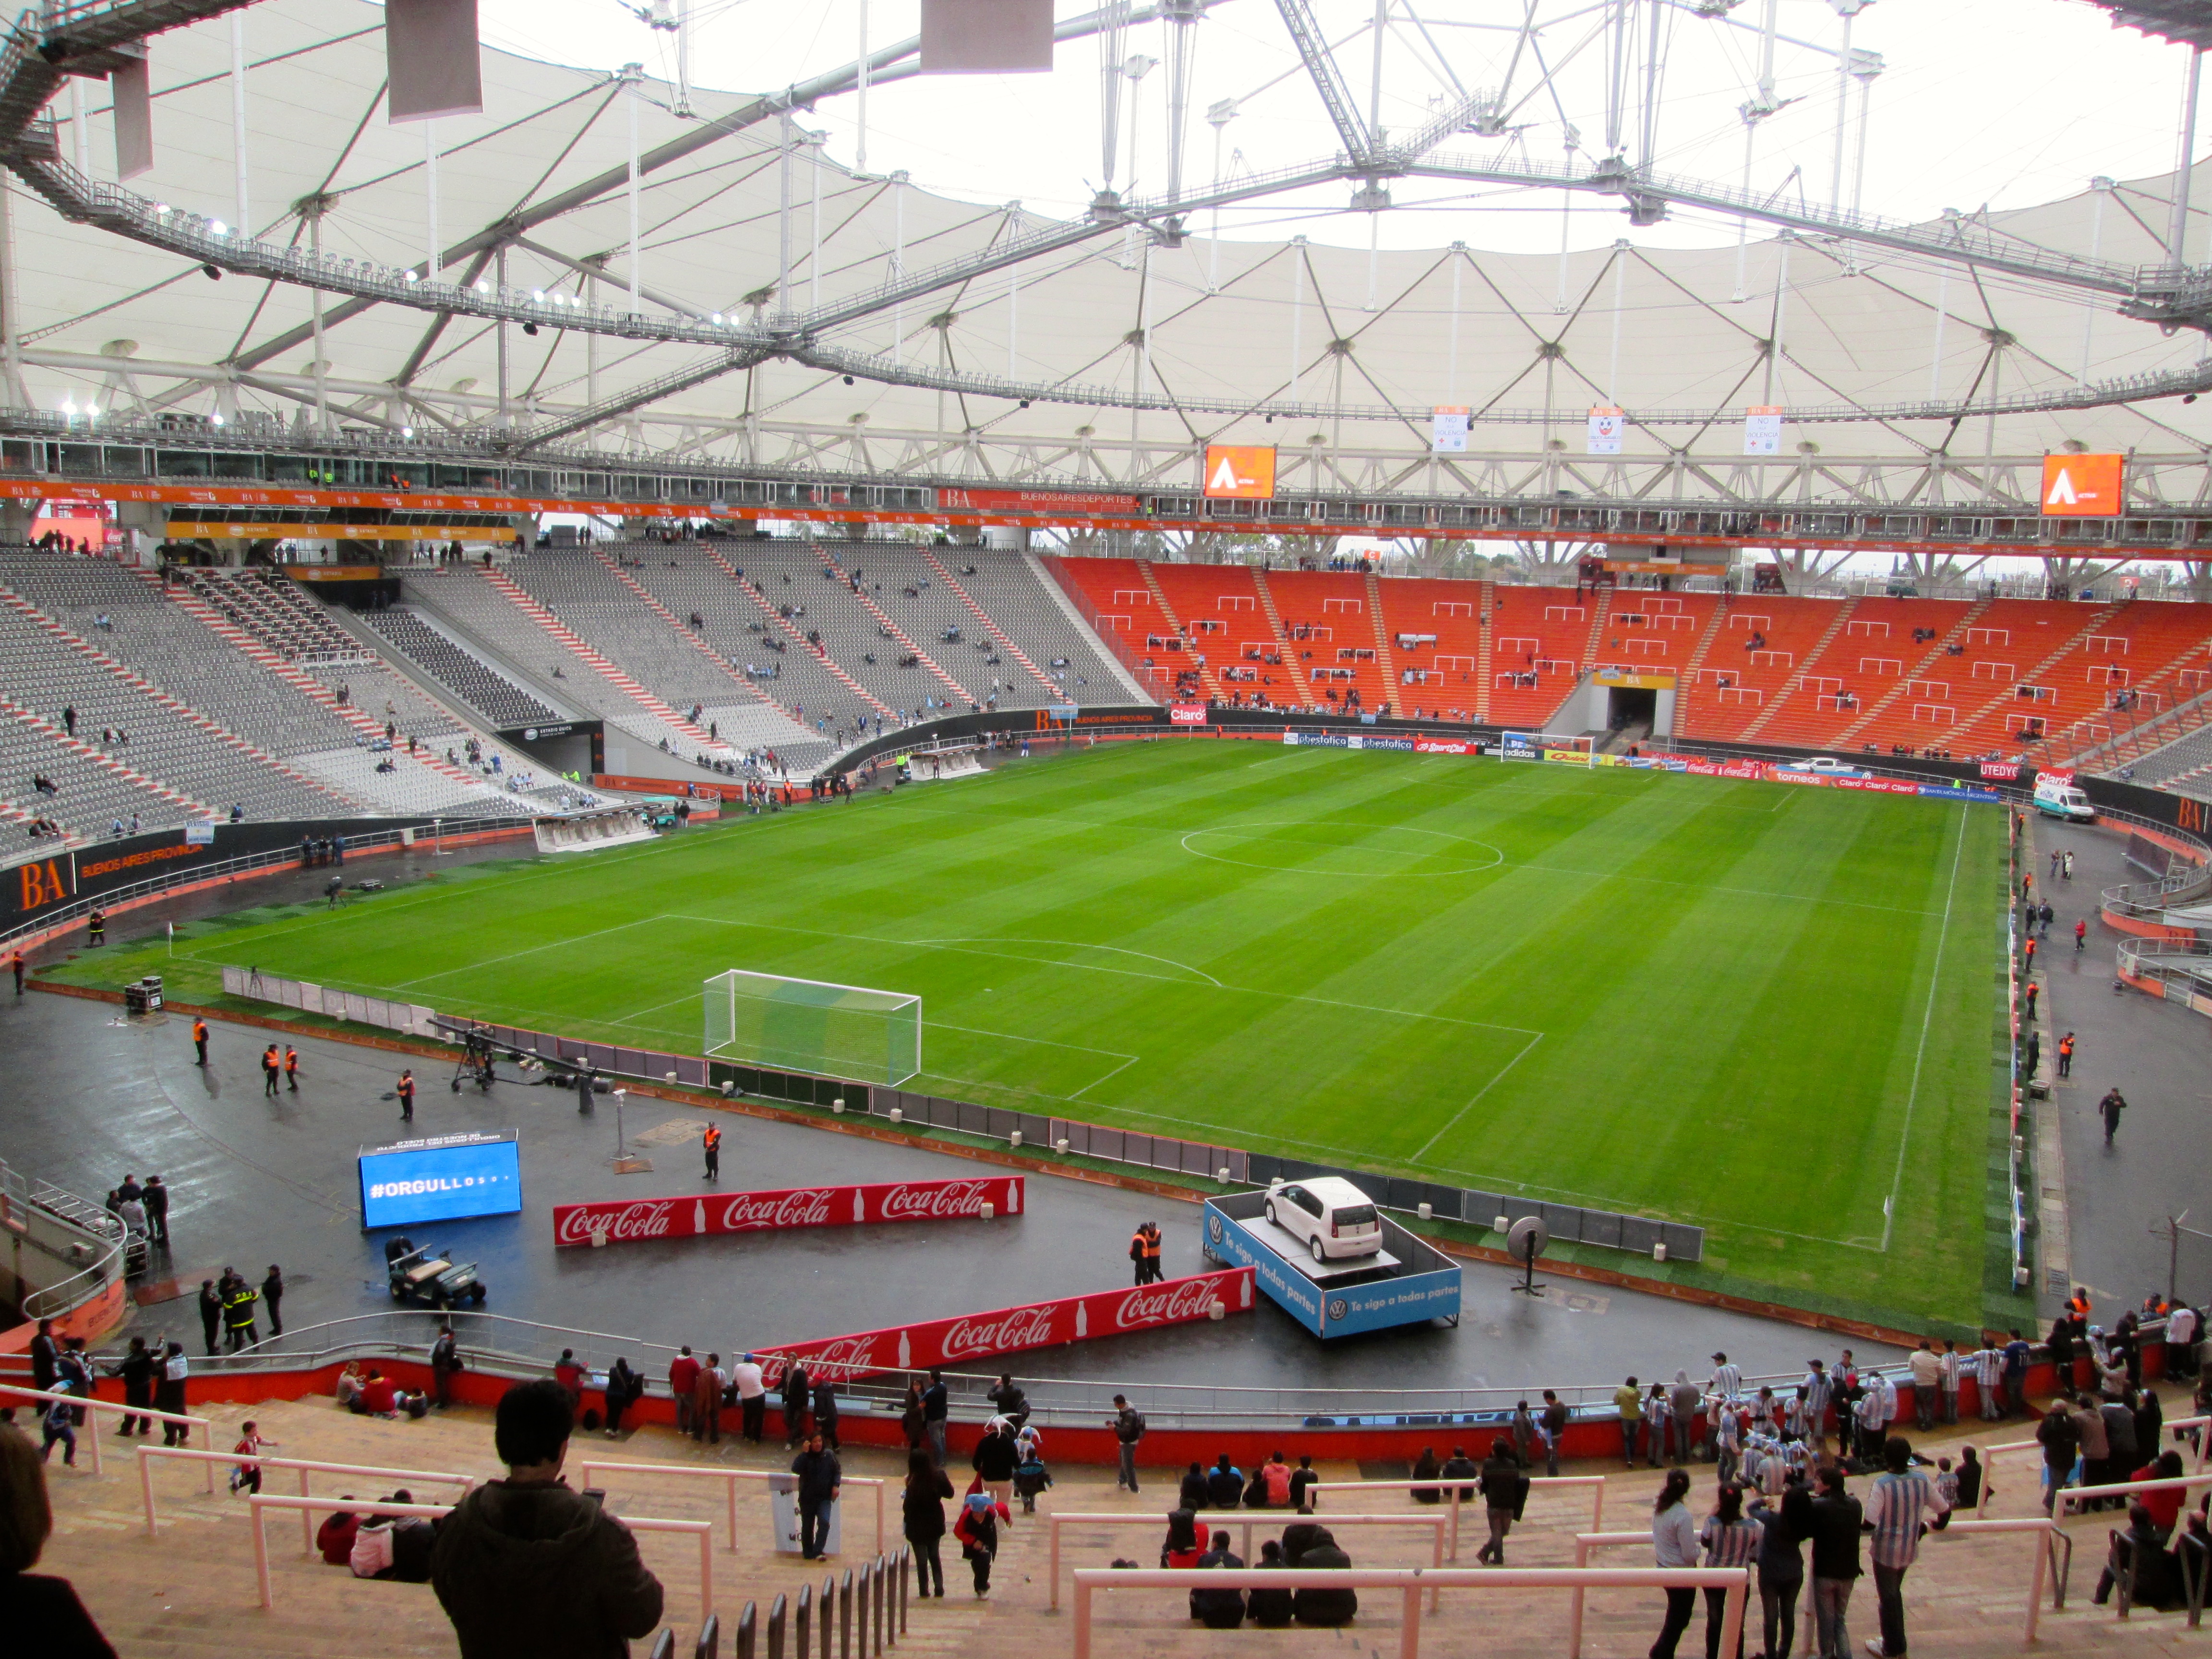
216,228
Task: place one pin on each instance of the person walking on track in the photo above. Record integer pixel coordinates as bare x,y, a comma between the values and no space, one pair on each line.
292,1068
272,1064
711,1143
2081,936
2110,1108
199,1039
407,1096
2066,1055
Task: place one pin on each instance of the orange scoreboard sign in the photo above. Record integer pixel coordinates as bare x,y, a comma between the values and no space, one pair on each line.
1239,471
2083,486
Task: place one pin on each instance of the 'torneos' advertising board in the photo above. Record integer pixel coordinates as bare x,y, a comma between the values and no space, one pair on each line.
635,1220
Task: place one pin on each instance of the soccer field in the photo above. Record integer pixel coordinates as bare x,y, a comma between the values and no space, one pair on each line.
1767,1009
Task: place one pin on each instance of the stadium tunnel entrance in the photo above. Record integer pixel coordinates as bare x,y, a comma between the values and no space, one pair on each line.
1630,705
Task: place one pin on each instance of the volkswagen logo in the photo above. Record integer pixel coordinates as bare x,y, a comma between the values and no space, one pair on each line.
1338,1307
1213,1226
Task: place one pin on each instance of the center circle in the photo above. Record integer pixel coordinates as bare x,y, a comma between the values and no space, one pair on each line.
1343,849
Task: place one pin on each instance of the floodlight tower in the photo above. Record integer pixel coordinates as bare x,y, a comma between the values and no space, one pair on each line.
1846,9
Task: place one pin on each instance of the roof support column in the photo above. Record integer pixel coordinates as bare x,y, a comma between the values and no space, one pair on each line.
237,118
2177,233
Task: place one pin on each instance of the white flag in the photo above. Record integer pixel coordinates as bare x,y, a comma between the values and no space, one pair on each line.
1606,425
1762,430
1447,430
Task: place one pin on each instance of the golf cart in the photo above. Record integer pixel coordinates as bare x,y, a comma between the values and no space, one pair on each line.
424,1276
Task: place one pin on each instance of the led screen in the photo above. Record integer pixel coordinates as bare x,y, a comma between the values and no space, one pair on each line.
441,1179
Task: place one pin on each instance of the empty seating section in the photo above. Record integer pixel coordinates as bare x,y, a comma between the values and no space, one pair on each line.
1764,640
2157,652
48,675
461,598
272,607
1865,677
689,580
87,798
1448,667
1325,620
1537,637
2001,650
1640,629
169,646
1117,599
467,676
1029,609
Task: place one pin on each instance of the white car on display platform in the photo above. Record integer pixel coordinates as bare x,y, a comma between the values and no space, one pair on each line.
1826,766
1329,1215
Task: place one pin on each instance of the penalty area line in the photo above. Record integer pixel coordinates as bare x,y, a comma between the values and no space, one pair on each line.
1452,1122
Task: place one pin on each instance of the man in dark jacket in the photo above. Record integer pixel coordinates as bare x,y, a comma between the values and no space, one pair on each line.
527,1569
797,1395
1218,1609
819,1477
1224,1484
1324,1606
1836,1519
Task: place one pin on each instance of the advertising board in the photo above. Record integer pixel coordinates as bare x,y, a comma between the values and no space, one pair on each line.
641,1220
442,1178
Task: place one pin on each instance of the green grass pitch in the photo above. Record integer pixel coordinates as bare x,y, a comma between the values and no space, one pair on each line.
1764,1009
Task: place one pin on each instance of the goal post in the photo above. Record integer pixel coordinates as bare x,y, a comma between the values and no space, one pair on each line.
812,1025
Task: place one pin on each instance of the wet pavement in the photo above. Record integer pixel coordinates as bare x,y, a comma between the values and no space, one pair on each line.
94,1095
2155,1053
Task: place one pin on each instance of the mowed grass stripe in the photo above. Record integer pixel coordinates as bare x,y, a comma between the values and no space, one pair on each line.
1679,996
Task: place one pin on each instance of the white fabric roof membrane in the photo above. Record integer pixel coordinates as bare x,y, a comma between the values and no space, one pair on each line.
1651,330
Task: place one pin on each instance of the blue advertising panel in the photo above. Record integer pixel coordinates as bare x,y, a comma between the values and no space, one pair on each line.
1430,1291
442,1178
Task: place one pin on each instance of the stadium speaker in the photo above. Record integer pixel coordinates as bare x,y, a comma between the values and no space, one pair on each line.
211,272
431,59
985,37
1524,1242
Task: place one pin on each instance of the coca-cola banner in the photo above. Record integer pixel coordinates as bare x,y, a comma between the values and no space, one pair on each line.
629,1221
1010,1330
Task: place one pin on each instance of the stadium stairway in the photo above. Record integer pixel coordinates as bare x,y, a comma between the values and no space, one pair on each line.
749,692
1687,683
608,670
1300,692
1003,639
282,786
190,1593
1204,659
1790,687
1455,668
799,638
1981,729
2147,651
253,647
1486,653
960,692
1331,606
30,744
1869,726
1871,651
1383,655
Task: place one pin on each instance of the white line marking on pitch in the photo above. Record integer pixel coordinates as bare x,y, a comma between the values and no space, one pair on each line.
1927,1017
1452,1122
1068,944
553,944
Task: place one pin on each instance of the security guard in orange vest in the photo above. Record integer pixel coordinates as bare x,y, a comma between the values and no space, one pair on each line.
272,1064
199,1039
407,1096
1144,1252
2066,1055
711,1143
292,1068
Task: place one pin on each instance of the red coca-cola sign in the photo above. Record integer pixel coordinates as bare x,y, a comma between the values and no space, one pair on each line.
1013,1330
629,1221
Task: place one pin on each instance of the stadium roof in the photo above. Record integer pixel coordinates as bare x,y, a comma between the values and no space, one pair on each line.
1030,368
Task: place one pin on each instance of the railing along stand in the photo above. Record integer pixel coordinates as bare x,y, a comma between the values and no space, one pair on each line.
775,1618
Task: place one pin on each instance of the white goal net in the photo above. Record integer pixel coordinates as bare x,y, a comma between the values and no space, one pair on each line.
811,1026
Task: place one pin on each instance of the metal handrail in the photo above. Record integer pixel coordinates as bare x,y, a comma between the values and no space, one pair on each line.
105,1235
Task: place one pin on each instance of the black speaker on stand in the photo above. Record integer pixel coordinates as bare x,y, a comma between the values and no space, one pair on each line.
1524,1243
